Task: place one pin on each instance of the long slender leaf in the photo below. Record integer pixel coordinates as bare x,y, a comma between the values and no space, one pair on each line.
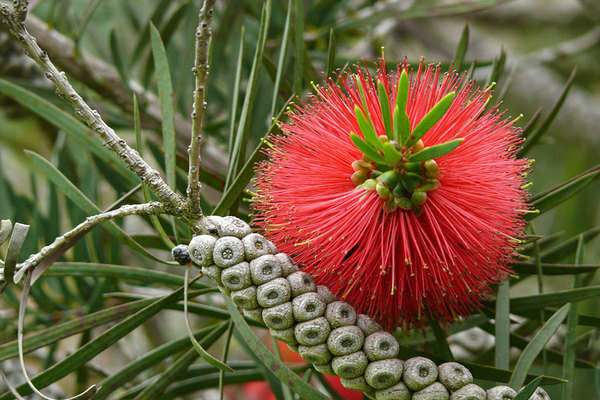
502,325
330,54
525,268
553,299
569,246
529,389
461,49
535,346
298,45
431,118
282,56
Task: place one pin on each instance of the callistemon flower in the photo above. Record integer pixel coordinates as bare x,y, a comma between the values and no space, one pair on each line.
400,193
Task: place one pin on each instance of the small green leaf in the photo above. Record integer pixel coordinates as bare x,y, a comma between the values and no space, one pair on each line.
431,118
330,54
367,129
529,389
17,238
461,49
384,102
436,151
366,149
558,298
392,156
117,58
535,346
402,94
569,246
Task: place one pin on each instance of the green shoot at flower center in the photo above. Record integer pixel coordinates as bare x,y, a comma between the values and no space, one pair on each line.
397,165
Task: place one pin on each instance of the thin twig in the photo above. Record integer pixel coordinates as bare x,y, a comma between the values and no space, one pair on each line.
21,8
153,208
111,140
200,70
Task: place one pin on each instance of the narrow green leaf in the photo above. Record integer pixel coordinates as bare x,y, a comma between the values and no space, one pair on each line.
535,136
384,102
236,95
366,149
568,247
367,129
532,123
497,68
550,199
502,326
269,360
100,343
535,346
558,298
330,54
527,268
282,56
431,118
298,45
435,151
158,13
440,344
165,94
528,390
402,94
390,153
17,238
117,59
5,230
81,135
461,49
84,203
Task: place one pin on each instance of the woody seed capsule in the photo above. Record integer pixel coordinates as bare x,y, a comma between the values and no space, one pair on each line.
326,294
308,306
318,354
228,252
539,394
255,245
232,226
435,391
245,298
381,345
312,333
200,250
287,336
301,282
367,325
419,372
351,365
339,314
236,277
469,392
454,376
287,265
397,392
264,269
345,340
279,317
273,293
384,373
501,393
213,272
359,383
324,368
254,315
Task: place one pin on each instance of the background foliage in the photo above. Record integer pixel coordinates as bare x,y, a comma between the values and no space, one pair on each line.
528,47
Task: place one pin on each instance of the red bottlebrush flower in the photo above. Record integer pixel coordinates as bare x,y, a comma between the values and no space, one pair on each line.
397,193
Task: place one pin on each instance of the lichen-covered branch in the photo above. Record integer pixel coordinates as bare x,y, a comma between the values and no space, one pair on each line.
200,70
153,208
131,157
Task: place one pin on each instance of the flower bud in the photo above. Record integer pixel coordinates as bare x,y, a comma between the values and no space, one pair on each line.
383,191
201,248
388,178
360,164
418,198
383,373
501,393
273,293
326,294
254,315
417,147
245,298
429,185
255,245
351,365
324,368
228,251
413,167
264,269
367,325
469,392
279,317
381,345
308,306
383,139
233,226
403,203
287,336
397,392
419,372
318,354
369,185
359,177
301,282
345,340
312,333
214,273
339,314
432,169
435,391
287,264
236,277
454,375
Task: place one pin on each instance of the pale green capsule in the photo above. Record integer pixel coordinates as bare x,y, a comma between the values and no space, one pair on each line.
279,317
351,365
383,374
312,333
273,293
454,376
326,294
339,314
201,249
232,226
359,383
501,393
318,354
381,345
435,391
245,298
308,306
301,282
254,315
264,269
345,340
367,324
255,245
469,392
228,251
287,336
397,392
419,372
236,277
214,273
324,368
287,264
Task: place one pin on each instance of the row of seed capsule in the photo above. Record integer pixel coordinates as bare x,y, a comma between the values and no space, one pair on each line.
269,288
